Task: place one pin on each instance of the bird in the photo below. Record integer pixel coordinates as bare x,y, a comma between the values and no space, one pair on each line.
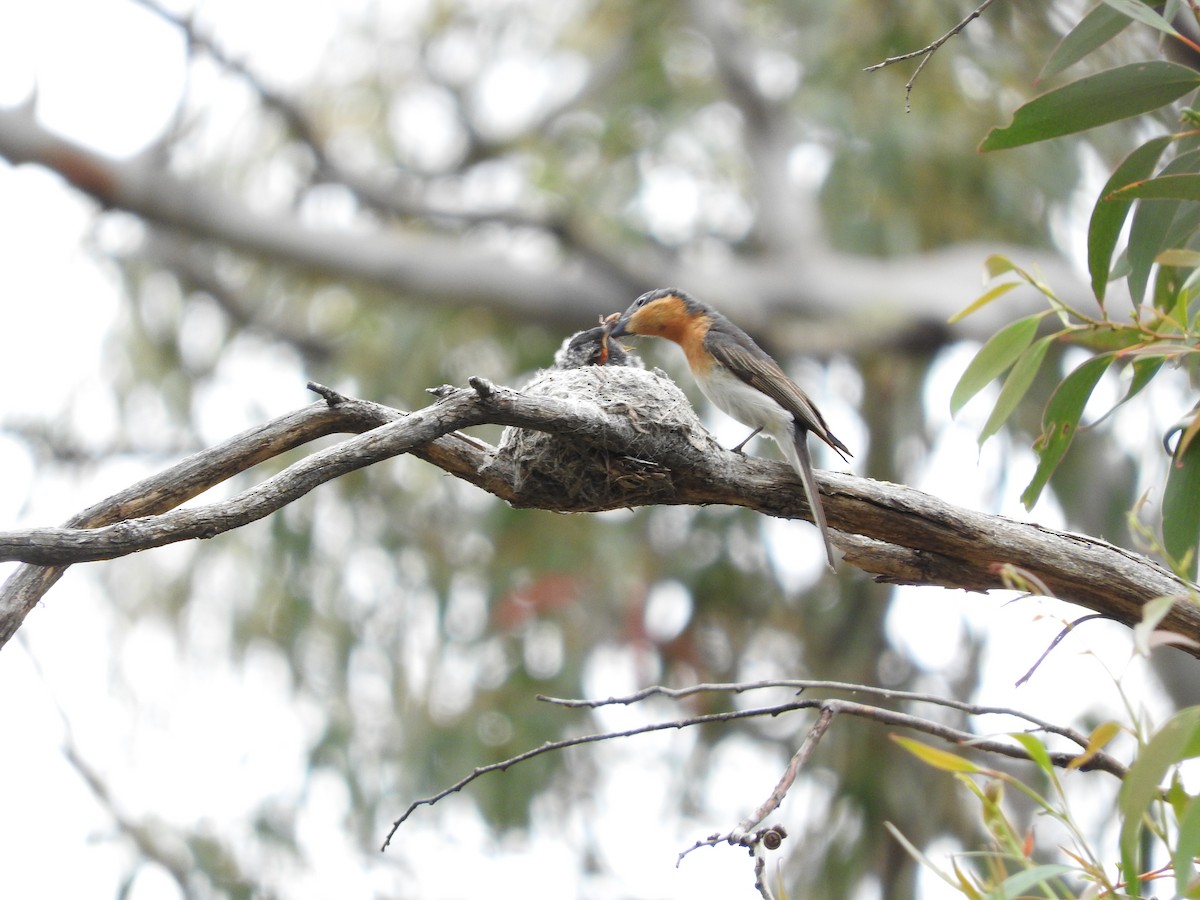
592,347
741,379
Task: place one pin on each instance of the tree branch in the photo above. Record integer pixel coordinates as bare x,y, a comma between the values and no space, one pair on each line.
926,53
433,266
403,202
552,746
828,709
446,268
582,432
809,684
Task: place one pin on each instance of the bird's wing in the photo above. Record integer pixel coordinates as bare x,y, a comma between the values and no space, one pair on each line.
751,364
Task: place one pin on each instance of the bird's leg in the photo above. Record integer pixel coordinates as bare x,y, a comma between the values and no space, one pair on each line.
738,448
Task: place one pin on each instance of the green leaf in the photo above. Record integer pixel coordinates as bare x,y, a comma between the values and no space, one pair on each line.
935,756
1160,226
1177,740
1144,371
1181,509
1187,845
1061,420
1094,30
1108,216
1140,12
984,299
1036,750
1095,100
1166,187
1100,738
1020,883
994,358
1179,257
997,264
1016,385
1114,337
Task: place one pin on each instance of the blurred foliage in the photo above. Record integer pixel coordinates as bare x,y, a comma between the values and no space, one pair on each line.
1155,189
1157,817
417,618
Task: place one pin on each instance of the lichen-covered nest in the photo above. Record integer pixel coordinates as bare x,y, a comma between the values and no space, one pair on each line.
578,473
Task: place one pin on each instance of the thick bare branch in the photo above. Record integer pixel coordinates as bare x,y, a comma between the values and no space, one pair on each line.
446,268
896,533
437,267
196,268
197,473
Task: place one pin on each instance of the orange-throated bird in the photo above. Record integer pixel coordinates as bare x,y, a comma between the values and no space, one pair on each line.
740,378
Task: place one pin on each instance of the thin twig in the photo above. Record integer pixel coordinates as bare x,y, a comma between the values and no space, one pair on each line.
1099,761
760,879
771,836
297,120
926,53
799,758
892,717
1070,626
393,200
768,838
153,840
551,746
801,684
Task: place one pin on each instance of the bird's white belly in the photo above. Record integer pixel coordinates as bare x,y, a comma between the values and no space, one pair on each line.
748,405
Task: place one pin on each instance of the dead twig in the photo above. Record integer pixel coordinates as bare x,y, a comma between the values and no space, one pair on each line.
552,746
926,52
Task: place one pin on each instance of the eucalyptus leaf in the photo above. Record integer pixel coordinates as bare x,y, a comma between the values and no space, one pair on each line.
994,359
1016,385
1094,30
1098,99
1061,421
1109,214
1181,509
1178,740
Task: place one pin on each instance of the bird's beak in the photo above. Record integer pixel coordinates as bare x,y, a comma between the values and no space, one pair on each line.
616,324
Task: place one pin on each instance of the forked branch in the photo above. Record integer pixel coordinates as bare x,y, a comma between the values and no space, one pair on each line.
660,455
926,52
746,833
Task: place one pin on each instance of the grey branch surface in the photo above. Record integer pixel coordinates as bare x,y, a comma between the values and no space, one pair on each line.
593,439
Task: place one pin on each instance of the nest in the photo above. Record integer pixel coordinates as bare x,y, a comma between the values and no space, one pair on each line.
577,472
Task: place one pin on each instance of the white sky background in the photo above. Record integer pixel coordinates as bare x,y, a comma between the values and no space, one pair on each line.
109,74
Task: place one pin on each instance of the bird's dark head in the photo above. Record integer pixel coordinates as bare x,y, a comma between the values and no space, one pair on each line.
593,347
666,312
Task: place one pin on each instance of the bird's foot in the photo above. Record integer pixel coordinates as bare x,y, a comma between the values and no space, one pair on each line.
738,448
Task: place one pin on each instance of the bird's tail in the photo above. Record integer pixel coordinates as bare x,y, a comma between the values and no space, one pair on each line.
796,451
